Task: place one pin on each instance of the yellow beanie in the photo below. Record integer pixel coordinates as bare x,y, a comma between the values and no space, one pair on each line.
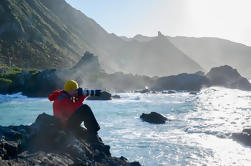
70,85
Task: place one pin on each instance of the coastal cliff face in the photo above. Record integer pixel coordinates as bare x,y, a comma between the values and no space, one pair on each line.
44,143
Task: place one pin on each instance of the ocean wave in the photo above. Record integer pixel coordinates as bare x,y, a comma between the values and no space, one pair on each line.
8,97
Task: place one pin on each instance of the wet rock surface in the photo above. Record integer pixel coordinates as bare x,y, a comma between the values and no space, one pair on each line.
243,137
44,143
154,118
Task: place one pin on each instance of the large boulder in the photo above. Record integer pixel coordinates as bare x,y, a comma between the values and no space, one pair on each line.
45,143
243,137
228,77
154,117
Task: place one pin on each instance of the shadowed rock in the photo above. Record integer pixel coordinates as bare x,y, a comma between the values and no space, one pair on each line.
184,81
45,143
228,77
243,137
116,97
154,117
142,91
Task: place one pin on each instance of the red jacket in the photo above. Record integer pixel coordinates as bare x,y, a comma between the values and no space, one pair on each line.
63,106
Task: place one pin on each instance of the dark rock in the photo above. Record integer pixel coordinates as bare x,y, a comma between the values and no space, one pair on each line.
142,91
9,149
154,117
169,92
153,92
43,83
190,82
116,97
228,77
104,96
193,92
243,137
5,85
45,143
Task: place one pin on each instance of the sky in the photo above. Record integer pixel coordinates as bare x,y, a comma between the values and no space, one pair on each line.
228,19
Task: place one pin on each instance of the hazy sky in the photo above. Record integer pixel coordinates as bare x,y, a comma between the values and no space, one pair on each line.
229,19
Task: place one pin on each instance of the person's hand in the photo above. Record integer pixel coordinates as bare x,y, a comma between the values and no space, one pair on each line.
80,92
73,93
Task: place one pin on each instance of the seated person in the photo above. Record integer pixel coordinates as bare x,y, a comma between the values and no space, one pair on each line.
69,108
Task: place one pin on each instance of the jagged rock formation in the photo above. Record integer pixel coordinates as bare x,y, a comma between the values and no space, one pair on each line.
44,143
89,63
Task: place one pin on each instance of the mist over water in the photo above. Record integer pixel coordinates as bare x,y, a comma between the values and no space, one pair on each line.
198,133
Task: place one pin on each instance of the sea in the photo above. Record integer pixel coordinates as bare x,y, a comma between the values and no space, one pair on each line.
198,133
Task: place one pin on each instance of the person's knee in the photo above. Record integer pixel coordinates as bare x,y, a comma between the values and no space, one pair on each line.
85,107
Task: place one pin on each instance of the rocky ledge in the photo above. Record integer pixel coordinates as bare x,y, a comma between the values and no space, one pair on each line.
44,143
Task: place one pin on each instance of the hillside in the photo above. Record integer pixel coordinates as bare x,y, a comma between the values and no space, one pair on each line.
51,34
157,56
43,33
212,52
209,52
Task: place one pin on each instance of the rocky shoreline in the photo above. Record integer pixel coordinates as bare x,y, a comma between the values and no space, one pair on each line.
44,143
89,74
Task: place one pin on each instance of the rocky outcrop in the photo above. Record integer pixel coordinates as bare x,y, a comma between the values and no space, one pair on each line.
243,137
154,117
89,73
189,82
224,76
45,143
88,63
228,77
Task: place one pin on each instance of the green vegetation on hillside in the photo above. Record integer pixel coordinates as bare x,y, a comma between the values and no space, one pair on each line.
10,77
33,36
